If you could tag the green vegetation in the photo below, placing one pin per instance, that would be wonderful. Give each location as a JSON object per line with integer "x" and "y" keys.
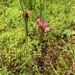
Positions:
{"x": 37, "y": 37}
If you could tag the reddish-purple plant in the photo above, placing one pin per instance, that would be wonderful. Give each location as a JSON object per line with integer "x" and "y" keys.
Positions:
{"x": 42, "y": 25}
{"x": 26, "y": 16}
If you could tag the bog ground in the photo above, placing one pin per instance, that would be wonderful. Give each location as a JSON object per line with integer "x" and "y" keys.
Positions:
{"x": 37, "y": 37}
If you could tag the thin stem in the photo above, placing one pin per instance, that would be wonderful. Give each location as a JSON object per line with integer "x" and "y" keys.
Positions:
{"x": 54, "y": 69}
{"x": 34, "y": 4}
{"x": 25, "y": 19}
{"x": 43, "y": 17}
{"x": 40, "y": 9}
{"x": 30, "y": 3}
{"x": 21, "y": 5}
{"x": 26, "y": 27}
{"x": 71, "y": 50}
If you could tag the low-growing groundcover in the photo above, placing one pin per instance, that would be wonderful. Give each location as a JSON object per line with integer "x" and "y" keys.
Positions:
{"x": 37, "y": 37}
